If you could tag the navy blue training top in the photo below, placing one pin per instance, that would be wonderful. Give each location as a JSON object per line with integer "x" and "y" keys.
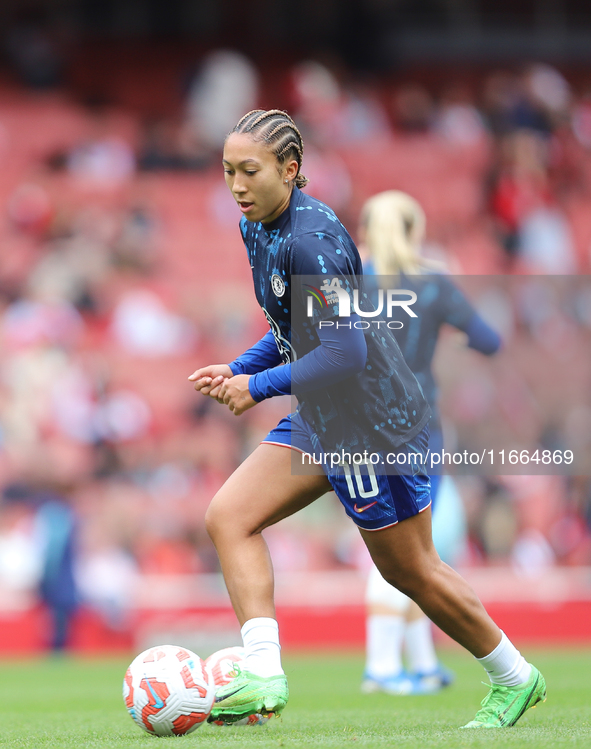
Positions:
{"x": 378, "y": 403}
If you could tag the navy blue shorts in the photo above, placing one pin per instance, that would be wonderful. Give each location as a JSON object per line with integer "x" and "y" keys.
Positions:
{"x": 372, "y": 500}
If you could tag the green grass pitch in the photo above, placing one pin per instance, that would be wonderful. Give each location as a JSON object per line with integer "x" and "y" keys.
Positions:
{"x": 77, "y": 703}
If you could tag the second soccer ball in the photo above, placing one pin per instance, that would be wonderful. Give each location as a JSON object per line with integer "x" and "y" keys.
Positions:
{"x": 221, "y": 668}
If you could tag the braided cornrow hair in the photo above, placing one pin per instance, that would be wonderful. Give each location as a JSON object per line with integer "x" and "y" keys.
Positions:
{"x": 276, "y": 128}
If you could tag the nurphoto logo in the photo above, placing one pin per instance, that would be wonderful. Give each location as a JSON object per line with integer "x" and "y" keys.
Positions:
{"x": 331, "y": 292}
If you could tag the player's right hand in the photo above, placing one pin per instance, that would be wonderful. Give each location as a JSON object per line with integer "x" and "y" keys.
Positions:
{"x": 208, "y": 380}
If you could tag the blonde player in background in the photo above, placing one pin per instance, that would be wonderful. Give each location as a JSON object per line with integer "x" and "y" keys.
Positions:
{"x": 391, "y": 234}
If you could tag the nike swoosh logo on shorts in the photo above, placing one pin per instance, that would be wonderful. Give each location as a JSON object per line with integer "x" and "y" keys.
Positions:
{"x": 363, "y": 509}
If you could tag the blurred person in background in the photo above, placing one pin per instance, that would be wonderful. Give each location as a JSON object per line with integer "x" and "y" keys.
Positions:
{"x": 534, "y": 161}
{"x": 57, "y": 471}
{"x": 547, "y": 92}
{"x": 413, "y": 110}
{"x": 45, "y": 483}
{"x": 537, "y": 100}
{"x": 38, "y": 338}
{"x": 104, "y": 159}
{"x": 391, "y": 234}
{"x": 171, "y": 145}
{"x": 335, "y": 116}
{"x": 226, "y": 84}
{"x": 457, "y": 119}
{"x": 56, "y": 529}
{"x": 332, "y": 115}
{"x": 531, "y": 226}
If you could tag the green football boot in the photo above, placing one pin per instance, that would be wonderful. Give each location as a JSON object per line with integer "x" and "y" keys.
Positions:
{"x": 248, "y": 694}
{"x": 503, "y": 706}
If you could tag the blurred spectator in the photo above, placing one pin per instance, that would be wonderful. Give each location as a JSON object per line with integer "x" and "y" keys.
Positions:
{"x": 135, "y": 247}
{"x": 413, "y": 110}
{"x": 545, "y": 242}
{"x": 330, "y": 115}
{"x": 532, "y": 227}
{"x": 457, "y": 119}
{"x": 548, "y": 94}
{"x": 93, "y": 412}
{"x": 40, "y": 511}
{"x": 121, "y": 415}
{"x": 499, "y": 99}
{"x": 536, "y": 100}
{"x": 519, "y": 186}
{"x": 143, "y": 326}
{"x": 104, "y": 159}
{"x": 70, "y": 271}
{"x": 37, "y": 337}
{"x": 168, "y": 144}
{"x": 56, "y": 538}
{"x": 29, "y": 323}
{"x": 225, "y": 87}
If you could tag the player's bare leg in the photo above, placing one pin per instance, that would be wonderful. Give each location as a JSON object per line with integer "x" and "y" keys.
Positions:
{"x": 259, "y": 493}
{"x": 406, "y": 557}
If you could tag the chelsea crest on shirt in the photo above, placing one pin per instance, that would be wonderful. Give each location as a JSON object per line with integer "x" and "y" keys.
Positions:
{"x": 277, "y": 284}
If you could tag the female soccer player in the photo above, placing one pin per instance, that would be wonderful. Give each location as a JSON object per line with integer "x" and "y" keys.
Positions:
{"x": 391, "y": 233}
{"x": 354, "y": 390}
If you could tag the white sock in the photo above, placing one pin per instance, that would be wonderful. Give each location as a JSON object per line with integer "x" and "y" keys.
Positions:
{"x": 261, "y": 643}
{"x": 384, "y": 635}
{"x": 505, "y": 665}
{"x": 422, "y": 658}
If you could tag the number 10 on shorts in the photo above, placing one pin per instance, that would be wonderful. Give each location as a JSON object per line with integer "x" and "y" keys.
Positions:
{"x": 357, "y": 488}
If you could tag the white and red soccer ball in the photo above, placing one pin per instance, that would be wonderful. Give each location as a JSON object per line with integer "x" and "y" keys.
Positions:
{"x": 168, "y": 691}
{"x": 221, "y": 668}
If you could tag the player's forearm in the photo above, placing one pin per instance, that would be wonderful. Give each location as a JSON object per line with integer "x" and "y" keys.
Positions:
{"x": 341, "y": 354}
{"x": 263, "y": 355}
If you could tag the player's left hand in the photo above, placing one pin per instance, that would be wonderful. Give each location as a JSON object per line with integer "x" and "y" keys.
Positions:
{"x": 235, "y": 394}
